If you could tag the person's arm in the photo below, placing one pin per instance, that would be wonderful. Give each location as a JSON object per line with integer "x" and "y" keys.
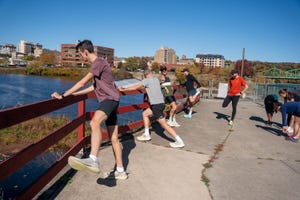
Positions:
{"x": 195, "y": 80}
{"x": 138, "y": 86}
{"x": 245, "y": 89}
{"x": 283, "y": 115}
{"x": 166, "y": 84}
{"x": 85, "y": 91}
{"x": 76, "y": 87}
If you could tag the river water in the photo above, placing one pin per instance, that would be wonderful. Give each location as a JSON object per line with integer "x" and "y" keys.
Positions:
{"x": 17, "y": 90}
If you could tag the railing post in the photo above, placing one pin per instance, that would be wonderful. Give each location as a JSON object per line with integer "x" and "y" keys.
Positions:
{"x": 81, "y": 128}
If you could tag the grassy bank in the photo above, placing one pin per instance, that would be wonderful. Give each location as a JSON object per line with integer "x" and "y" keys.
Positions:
{"x": 17, "y": 137}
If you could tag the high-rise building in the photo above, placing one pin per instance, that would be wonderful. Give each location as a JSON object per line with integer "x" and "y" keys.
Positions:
{"x": 165, "y": 55}
{"x": 211, "y": 60}
{"x": 29, "y": 48}
{"x": 69, "y": 56}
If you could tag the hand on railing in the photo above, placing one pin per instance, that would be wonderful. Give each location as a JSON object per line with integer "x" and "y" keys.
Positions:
{"x": 55, "y": 95}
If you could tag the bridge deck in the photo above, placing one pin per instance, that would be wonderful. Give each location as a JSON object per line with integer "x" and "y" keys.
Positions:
{"x": 251, "y": 162}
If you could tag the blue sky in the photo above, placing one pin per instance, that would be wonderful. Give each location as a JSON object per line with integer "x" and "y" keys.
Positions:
{"x": 269, "y": 30}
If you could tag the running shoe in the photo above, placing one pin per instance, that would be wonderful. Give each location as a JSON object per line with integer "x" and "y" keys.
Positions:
{"x": 88, "y": 163}
{"x": 170, "y": 123}
{"x": 292, "y": 139}
{"x": 176, "y": 124}
{"x": 118, "y": 175}
{"x": 230, "y": 122}
{"x": 188, "y": 116}
{"x": 177, "y": 144}
{"x": 143, "y": 137}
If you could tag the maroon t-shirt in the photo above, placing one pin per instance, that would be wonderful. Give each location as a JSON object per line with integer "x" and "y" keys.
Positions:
{"x": 104, "y": 82}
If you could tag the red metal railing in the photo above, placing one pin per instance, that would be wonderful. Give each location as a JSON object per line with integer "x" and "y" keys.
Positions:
{"x": 20, "y": 114}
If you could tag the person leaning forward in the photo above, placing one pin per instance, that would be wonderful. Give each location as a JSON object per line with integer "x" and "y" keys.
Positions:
{"x": 157, "y": 105}
{"x": 108, "y": 97}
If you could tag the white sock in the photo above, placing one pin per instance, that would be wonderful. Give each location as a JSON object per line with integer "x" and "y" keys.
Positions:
{"x": 147, "y": 131}
{"x": 120, "y": 169}
{"x": 178, "y": 138}
{"x": 190, "y": 113}
{"x": 94, "y": 158}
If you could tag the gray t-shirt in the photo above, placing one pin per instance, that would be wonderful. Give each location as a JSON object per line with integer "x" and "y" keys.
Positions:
{"x": 153, "y": 90}
{"x": 104, "y": 82}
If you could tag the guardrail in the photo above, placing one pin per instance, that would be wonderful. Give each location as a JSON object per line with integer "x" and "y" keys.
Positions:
{"x": 20, "y": 114}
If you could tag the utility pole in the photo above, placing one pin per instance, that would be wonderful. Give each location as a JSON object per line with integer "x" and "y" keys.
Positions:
{"x": 242, "y": 70}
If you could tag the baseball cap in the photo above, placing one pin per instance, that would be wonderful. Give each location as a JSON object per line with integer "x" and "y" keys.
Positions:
{"x": 234, "y": 71}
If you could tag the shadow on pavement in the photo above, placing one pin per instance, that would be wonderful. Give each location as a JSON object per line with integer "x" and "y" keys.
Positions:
{"x": 221, "y": 116}
{"x": 160, "y": 131}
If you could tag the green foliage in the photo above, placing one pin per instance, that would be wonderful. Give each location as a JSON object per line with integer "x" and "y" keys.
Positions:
{"x": 28, "y": 57}
{"x": 121, "y": 74}
{"x": 155, "y": 67}
{"x": 4, "y": 62}
{"x": 134, "y": 63}
{"x": 15, "y": 138}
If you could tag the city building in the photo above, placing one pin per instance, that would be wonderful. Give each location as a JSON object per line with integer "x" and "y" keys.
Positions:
{"x": 165, "y": 55}
{"x": 30, "y": 48}
{"x": 7, "y": 49}
{"x": 69, "y": 56}
{"x": 185, "y": 61}
{"x": 211, "y": 60}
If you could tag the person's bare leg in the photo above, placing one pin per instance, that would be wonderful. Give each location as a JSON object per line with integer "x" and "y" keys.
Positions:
{"x": 96, "y": 135}
{"x": 297, "y": 127}
{"x": 146, "y": 119}
{"x": 116, "y": 145}
{"x": 168, "y": 128}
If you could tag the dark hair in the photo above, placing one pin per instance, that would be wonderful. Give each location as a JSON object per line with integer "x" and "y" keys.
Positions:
{"x": 85, "y": 45}
{"x": 163, "y": 68}
{"x": 289, "y": 95}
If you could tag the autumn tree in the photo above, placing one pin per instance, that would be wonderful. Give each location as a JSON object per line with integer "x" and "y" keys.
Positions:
{"x": 48, "y": 59}
{"x": 248, "y": 67}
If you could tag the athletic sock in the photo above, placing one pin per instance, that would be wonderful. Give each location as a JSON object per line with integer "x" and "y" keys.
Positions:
{"x": 147, "y": 131}
{"x": 178, "y": 138}
{"x": 94, "y": 158}
{"x": 120, "y": 169}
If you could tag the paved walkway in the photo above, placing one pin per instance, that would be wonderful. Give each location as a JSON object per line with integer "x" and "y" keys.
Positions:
{"x": 251, "y": 162}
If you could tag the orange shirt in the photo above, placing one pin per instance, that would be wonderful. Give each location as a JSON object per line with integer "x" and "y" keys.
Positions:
{"x": 235, "y": 86}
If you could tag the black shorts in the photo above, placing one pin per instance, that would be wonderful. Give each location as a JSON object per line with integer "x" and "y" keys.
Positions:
{"x": 296, "y": 114}
{"x": 170, "y": 99}
{"x": 110, "y": 107}
{"x": 158, "y": 110}
{"x": 269, "y": 108}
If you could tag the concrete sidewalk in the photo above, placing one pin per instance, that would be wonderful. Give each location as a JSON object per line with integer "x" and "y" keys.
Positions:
{"x": 252, "y": 162}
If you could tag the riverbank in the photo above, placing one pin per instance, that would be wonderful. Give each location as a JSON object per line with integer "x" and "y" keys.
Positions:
{"x": 16, "y": 138}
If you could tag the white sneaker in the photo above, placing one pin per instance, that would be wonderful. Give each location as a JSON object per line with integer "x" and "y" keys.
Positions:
{"x": 143, "y": 137}
{"x": 177, "y": 144}
{"x": 170, "y": 123}
{"x": 118, "y": 175}
{"x": 88, "y": 163}
{"x": 176, "y": 124}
